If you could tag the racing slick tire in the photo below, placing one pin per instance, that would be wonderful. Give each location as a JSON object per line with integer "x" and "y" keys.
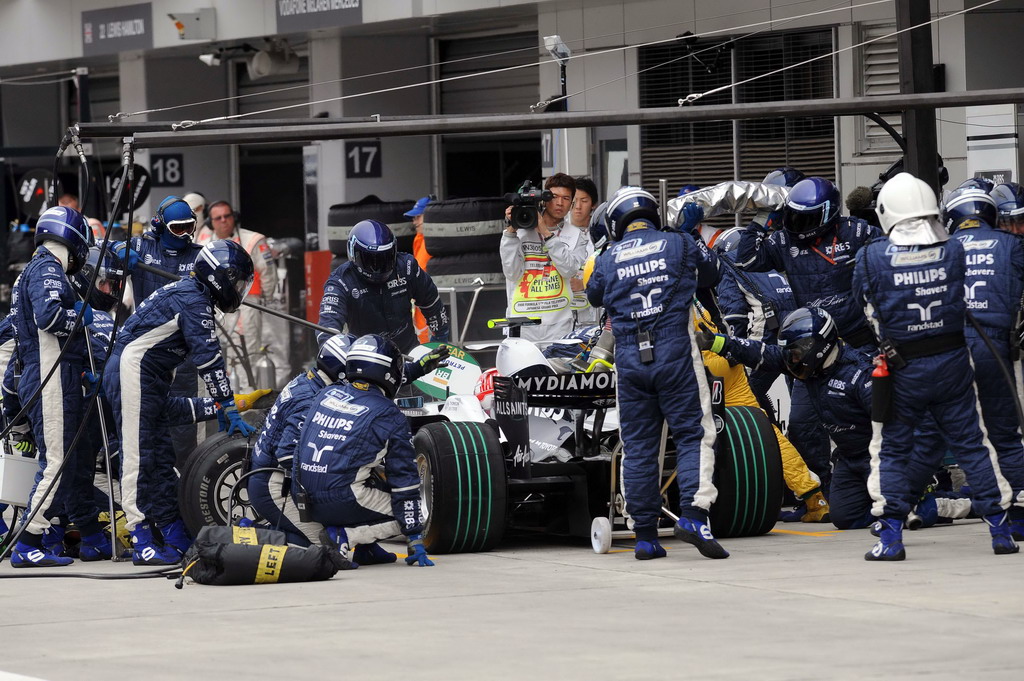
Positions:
{"x": 748, "y": 475}
{"x": 458, "y": 226}
{"x": 463, "y": 486}
{"x": 342, "y": 217}
{"x": 206, "y": 481}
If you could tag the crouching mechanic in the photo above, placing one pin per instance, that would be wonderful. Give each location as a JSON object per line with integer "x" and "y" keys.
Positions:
{"x": 350, "y": 429}
{"x": 275, "y": 447}
{"x": 912, "y": 288}
{"x": 375, "y": 290}
{"x": 646, "y": 282}
{"x": 170, "y": 324}
{"x": 797, "y": 476}
{"x": 45, "y": 321}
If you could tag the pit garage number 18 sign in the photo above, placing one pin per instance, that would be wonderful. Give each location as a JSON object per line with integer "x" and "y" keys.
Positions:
{"x": 167, "y": 170}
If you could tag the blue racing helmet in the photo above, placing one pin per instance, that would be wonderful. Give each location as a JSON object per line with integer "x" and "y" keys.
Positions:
{"x": 376, "y": 360}
{"x": 598, "y": 231}
{"x": 226, "y": 270}
{"x": 982, "y": 183}
{"x": 373, "y": 250}
{"x": 628, "y": 205}
{"x": 1009, "y": 198}
{"x": 68, "y": 227}
{"x": 810, "y": 342}
{"x": 783, "y": 177}
{"x": 811, "y": 208}
{"x": 333, "y": 355}
{"x": 686, "y": 189}
{"x": 176, "y": 216}
{"x": 968, "y": 203}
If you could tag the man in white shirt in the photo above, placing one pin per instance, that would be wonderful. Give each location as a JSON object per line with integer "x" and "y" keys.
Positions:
{"x": 538, "y": 264}
{"x": 247, "y": 322}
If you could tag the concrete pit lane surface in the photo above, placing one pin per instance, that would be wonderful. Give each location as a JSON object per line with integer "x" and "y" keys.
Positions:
{"x": 798, "y": 603}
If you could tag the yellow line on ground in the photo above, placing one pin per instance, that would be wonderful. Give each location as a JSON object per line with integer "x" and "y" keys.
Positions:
{"x": 824, "y": 533}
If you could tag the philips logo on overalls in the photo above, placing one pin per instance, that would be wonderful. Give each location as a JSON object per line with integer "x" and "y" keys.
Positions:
{"x": 640, "y": 269}
{"x": 919, "y": 277}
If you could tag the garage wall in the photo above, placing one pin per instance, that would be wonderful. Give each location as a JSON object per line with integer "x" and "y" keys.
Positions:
{"x": 205, "y": 168}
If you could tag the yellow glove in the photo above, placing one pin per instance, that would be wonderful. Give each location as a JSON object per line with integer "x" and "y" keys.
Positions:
{"x": 248, "y": 400}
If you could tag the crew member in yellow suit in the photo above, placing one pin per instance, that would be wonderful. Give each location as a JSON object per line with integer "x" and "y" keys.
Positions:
{"x": 799, "y": 478}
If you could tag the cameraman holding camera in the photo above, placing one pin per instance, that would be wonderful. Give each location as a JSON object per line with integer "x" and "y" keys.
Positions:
{"x": 540, "y": 253}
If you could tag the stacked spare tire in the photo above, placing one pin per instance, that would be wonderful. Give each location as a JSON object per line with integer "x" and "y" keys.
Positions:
{"x": 462, "y": 237}
{"x": 343, "y": 217}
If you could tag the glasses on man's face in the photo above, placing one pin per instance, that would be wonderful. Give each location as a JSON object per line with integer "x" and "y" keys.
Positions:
{"x": 219, "y": 218}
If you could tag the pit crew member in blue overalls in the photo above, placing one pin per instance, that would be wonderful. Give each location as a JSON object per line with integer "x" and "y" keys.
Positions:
{"x": 375, "y": 290}
{"x": 815, "y": 249}
{"x": 167, "y": 326}
{"x": 993, "y": 286}
{"x": 753, "y": 304}
{"x": 350, "y": 430}
{"x": 81, "y": 499}
{"x": 912, "y": 287}
{"x": 168, "y": 246}
{"x": 838, "y": 384}
{"x": 275, "y": 446}
{"x": 7, "y": 343}
{"x": 46, "y": 314}
{"x": 646, "y": 282}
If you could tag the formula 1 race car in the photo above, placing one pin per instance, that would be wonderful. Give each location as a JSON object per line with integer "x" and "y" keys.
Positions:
{"x": 539, "y": 454}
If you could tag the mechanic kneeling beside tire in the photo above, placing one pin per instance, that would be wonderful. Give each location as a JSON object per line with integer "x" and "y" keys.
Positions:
{"x": 348, "y": 431}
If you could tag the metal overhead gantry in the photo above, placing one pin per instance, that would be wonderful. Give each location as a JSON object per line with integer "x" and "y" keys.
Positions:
{"x": 154, "y": 135}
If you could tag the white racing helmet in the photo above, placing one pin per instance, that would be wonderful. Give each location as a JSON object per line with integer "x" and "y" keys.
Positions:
{"x": 909, "y": 212}
{"x": 520, "y": 357}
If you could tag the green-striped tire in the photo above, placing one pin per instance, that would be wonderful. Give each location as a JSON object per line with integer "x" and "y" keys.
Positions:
{"x": 464, "y": 489}
{"x": 748, "y": 475}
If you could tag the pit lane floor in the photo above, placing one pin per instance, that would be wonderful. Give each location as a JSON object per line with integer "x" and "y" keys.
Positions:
{"x": 799, "y": 603}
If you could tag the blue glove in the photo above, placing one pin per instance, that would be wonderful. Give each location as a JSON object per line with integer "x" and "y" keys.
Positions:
{"x": 128, "y": 257}
{"x": 417, "y": 552}
{"x": 84, "y": 310}
{"x": 693, "y": 214}
{"x": 92, "y": 382}
{"x": 231, "y": 420}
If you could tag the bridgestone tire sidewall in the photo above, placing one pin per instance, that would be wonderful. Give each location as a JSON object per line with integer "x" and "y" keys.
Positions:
{"x": 468, "y": 490}
{"x": 197, "y": 491}
{"x": 748, "y": 475}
